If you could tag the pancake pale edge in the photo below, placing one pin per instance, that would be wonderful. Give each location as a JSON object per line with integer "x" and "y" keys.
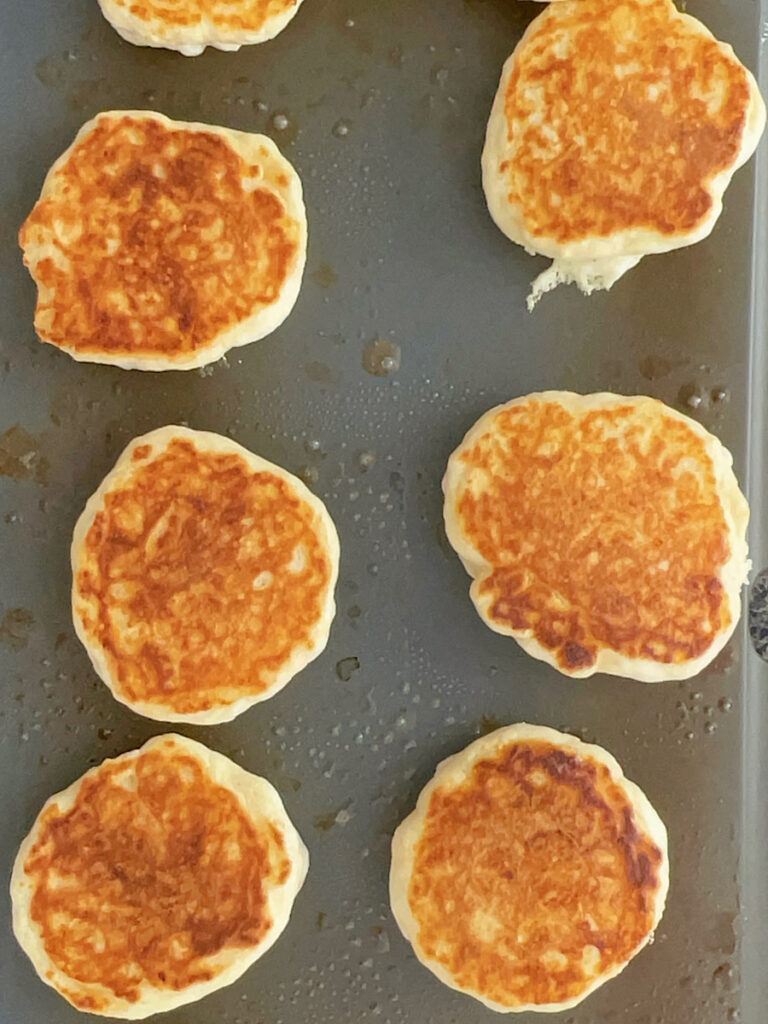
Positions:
{"x": 589, "y": 257}
{"x": 259, "y": 682}
{"x": 200, "y": 23}
{"x": 456, "y": 772}
{"x": 159, "y": 244}
{"x": 725, "y": 506}
{"x": 287, "y": 858}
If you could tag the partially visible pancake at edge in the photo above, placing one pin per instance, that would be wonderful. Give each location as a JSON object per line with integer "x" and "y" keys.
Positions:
{"x": 531, "y": 870}
{"x": 614, "y": 133}
{"x": 194, "y": 24}
{"x": 159, "y": 244}
{"x": 603, "y": 533}
{"x": 155, "y": 879}
{"x": 202, "y": 577}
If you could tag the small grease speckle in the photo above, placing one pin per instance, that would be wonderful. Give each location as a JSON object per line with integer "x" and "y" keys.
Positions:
{"x": 15, "y": 628}
{"x": 285, "y": 127}
{"x": 20, "y": 457}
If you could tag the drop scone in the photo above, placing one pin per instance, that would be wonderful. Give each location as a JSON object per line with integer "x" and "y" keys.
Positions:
{"x": 605, "y": 534}
{"x": 190, "y": 25}
{"x": 615, "y": 131}
{"x": 155, "y": 879}
{"x": 159, "y": 245}
{"x": 530, "y": 872}
{"x": 202, "y": 577}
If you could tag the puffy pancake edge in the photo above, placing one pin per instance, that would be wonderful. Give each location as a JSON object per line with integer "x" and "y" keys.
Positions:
{"x": 188, "y": 40}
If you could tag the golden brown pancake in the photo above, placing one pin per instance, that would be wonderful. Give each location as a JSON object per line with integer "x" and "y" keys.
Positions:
{"x": 156, "y": 878}
{"x": 203, "y": 577}
{"x": 158, "y": 244}
{"x": 531, "y": 870}
{"x": 606, "y": 534}
{"x": 615, "y": 131}
{"x": 191, "y": 25}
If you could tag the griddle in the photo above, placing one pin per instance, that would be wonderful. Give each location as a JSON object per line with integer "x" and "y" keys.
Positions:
{"x": 382, "y": 109}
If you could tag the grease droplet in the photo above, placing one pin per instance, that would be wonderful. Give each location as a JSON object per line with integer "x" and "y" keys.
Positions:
{"x": 381, "y": 357}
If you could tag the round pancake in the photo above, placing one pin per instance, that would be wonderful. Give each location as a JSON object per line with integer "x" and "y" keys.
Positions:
{"x": 530, "y": 872}
{"x": 155, "y": 879}
{"x": 190, "y": 25}
{"x": 202, "y": 577}
{"x": 159, "y": 245}
{"x": 605, "y": 534}
{"x": 615, "y": 131}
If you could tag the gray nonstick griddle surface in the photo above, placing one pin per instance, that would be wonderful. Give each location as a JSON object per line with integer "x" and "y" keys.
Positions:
{"x": 383, "y": 112}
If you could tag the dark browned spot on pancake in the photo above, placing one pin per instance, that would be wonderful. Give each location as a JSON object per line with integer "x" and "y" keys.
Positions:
{"x": 158, "y": 247}
{"x": 576, "y": 656}
{"x": 142, "y": 885}
{"x": 201, "y": 578}
{"x": 226, "y": 15}
{"x": 645, "y": 112}
{"x": 604, "y": 530}
{"x": 531, "y": 877}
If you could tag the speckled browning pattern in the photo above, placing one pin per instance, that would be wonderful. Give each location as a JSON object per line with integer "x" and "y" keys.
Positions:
{"x": 154, "y": 870}
{"x": 200, "y": 578}
{"x": 245, "y": 15}
{"x": 151, "y": 241}
{"x": 531, "y": 879}
{"x": 600, "y": 529}
{"x": 620, "y": 113}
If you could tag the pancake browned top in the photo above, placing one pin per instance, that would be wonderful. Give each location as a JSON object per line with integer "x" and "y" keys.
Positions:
{"x": 620, "y": 114}
{"x": 231, "y": 15}
{"x": 154, "y": 870}
{"x": 152, "y": 239}
{"x": 531, "y": 878}
{"x": 598, "y": 524}
{"x": 201, "y": 579}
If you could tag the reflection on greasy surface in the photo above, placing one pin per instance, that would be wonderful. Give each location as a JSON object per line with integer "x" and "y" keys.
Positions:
{"x": 152, "y": 242}
{"x": 601, "y": 530}
{"x": 201, "y": 578}
{"x": 153, "y": 870}
{"x": 531, "y": 878}
{"x": 633, "y": 80}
